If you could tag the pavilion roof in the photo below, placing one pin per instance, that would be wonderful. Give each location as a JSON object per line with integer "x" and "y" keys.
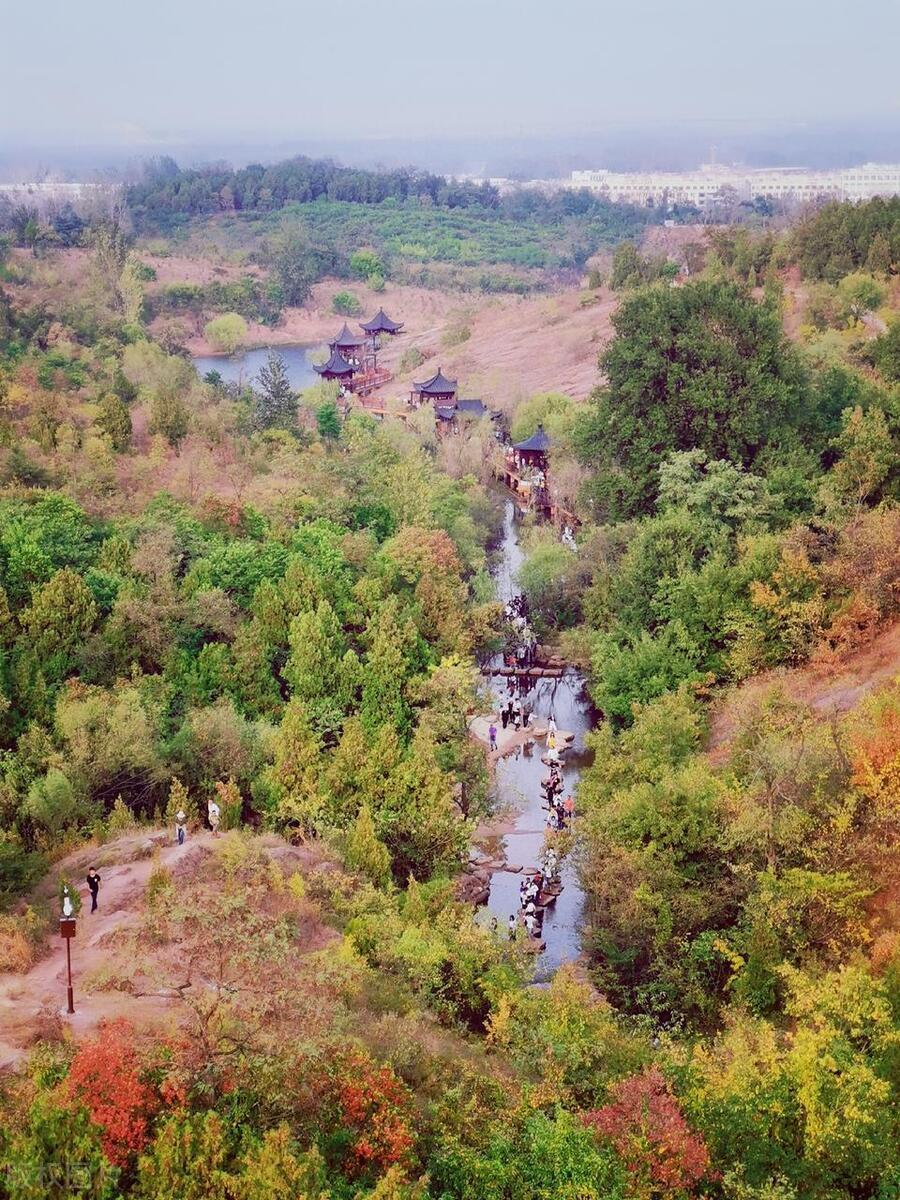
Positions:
{"x": 336, "y": 365}
{"x": 381, "y": 323}
{"x": 437, "y": 385}
{"x": 539, "y": 442}
{"x": 474, "y": 408}
{"x": 445, "y": 412}
{"x": 348, "y": 339}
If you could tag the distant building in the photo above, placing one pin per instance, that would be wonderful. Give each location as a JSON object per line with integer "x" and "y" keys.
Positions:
{"x": 712, "y": 182}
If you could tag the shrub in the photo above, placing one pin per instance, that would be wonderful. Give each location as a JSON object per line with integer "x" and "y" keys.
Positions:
{"x": 226, "y": 333}
{"x": 645, "y": 1124}
{"x": 346, "y": 304}
{"x": 411, "y": 358}
{"x": 105, "y": 1077}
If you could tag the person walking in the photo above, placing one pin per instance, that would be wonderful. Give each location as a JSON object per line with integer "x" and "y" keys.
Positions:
{"x": 93, "y": 882}
{"x": 492, "y": 735}
{"x": 180, "y": 826}
{"x": 214, "y": 813}
{"x": 551, "y": 725}
{"x": 504, "y": 716}
{"x": 512, "y": 925}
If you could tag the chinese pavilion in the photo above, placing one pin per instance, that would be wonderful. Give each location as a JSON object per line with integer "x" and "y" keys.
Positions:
{"x": 381, "y": 323}
{"x": 350, "y": 347}
{"x": 533, "y": 451}
{"x": 337, "y": 367}
{"x": 440, "y": 390}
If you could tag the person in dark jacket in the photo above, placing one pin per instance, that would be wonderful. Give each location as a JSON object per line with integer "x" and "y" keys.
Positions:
{"x": 93, "y": 882}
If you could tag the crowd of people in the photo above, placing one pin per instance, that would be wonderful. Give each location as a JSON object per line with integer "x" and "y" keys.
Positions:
{"x": 521, "y": 644}
{"x": 540, "y": 887}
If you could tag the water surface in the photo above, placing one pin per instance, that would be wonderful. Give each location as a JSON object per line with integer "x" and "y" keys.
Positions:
{"x": 517, "y": 785}
{"x": 243, "y": 368}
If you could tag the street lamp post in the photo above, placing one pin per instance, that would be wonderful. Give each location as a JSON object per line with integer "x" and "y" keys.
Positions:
{"x": 67, "y": 931}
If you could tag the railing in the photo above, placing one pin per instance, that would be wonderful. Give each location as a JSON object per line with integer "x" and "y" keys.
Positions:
{"x": 369, "y": 381}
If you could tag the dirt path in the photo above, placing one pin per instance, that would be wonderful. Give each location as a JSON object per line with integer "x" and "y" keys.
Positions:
{"x": 827, "y": 688}
{"x": 34, "y": 1000}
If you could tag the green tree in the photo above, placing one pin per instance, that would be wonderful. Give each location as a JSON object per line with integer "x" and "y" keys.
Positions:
{"x": 328, "y": 421}
{"x": 886, "y": 352}
{"x": 858, "y": 294}
{"x": 868, "y": 457}
{"x": 364, "y": 263}
{"x": 274, "y": 400}
{"x": 294, "y": 266}
{"x": 364, "y": 853}
{"x": 292, "y": 781}
{"x": 61, "y": 615}
{"x": 187, "y": 1160}
{"x": 114, "y": 419}
{"x": 879, "y": 260}
{"x": 226, "y": 333}
{"x": 131, "y": 291}
{"x": 169, "y": 416}
{"x": 697, "y": 367}
{"x": 57, "y": 1156}
{"x": 627, "y": 267}
{"x": 346, "y": 304}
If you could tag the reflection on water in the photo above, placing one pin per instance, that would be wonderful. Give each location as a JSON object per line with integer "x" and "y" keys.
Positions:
{"x": 518, "y": 778}
{"x": 242, "y": 369}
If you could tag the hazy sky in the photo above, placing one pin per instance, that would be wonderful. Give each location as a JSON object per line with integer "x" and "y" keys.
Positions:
{"x": 119, "y": 71}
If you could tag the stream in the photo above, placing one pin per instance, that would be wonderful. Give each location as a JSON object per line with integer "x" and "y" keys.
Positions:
{"x": 517, "y": 784}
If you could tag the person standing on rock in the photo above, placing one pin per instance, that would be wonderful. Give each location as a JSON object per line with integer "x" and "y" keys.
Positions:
{"x": 513, "y": 925}
{"x": 214, "y": 814}
{"x": 180, "y": 826}
{"x": 504, "y": 716}
{"x": 93, "y": 882}
{"x": 551, "y": 725}
{"x": 492, "y": 735}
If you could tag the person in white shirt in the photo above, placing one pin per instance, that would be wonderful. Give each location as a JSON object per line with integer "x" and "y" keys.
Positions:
{"x": 214, "y": 814}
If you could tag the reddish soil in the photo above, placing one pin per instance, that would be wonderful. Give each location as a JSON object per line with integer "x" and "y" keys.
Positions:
{"x": 828, "y": 688}
{"x": 516, "y": 346}
{"x": 32, "y": 1004}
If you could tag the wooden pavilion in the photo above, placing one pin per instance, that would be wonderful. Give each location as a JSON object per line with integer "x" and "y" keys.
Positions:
{"x": 337, "y": 368}
{"x": 352, "y": 348}
{"x": 440, "y": 390}
{"x": 532, "y": 453}
{"x": 381, "y": 323}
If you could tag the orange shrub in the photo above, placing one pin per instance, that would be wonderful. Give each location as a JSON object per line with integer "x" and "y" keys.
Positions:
{"x": 105, "y": 1076}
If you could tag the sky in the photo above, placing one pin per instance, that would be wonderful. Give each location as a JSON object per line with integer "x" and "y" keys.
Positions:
{"x": 160, "y": 72}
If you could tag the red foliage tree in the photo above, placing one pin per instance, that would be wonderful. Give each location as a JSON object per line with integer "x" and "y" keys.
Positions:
{"x": 376, "y": 1108}
{"x": 648, "y": 1129}
{"x": 105, "y": 1076}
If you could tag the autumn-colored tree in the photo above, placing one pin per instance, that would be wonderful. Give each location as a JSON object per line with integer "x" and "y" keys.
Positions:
{"x": 647, "y": 1127}
{"x": 375, "y": 1108}
{"x": 106, "y": 1077}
